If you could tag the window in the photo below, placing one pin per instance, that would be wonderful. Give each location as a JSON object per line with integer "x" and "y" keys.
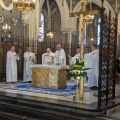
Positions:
{"x": 41, "y": 30}
{"x": 98, "y": 31}
{"x": 85, "y": 37}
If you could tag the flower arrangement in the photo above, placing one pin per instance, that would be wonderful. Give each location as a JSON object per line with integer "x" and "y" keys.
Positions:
{"x": 77, "y": 70}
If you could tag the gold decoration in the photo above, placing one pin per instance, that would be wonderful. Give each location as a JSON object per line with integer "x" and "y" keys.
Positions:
{"x": 6, "y": 28}
{"x": 50, "y": 34}
{"x": 82, "y": 15}
{"x": 91, "y": 36}
{"x": 24, "y": 5}
{"x": 15, "y": 20}
{"x": 1, "y": 18}
{"x": 49, "y": 78}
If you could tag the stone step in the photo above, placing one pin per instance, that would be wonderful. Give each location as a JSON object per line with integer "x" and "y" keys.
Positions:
{"x": 54, "y": 105}
{"x": 40, "y": 113}
{"x": 5, "y": 115}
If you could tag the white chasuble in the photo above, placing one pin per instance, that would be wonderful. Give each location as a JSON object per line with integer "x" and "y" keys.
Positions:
{"x": 60, "y": 57}
{"x": 92, "y": 61}
{"x": 29, "y": 59}
{"x": 95, "y": 51}
{"x": 11, "y": 67}
{"x": 47, "y": 58}
{"x": 73, "y": 59}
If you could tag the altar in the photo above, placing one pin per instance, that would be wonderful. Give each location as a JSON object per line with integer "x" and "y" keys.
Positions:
{"x": 49, "y": 76}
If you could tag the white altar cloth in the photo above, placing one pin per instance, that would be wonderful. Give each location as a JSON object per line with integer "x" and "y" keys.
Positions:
{"x": 49, "y": 66}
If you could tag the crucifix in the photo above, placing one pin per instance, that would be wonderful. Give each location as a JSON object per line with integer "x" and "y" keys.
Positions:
{"x": 85, "y": 17}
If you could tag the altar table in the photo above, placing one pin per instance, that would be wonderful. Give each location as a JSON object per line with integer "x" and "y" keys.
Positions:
{"x": 49, "y": 76}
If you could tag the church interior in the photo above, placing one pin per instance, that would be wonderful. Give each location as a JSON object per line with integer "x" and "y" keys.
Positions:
{"x": 59, "y": 59}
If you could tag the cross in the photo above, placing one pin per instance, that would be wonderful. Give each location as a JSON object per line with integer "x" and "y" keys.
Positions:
{"x": 84, "y": 17}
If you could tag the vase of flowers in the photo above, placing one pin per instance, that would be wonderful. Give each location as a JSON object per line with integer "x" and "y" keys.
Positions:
{"x": 78, "y": 69}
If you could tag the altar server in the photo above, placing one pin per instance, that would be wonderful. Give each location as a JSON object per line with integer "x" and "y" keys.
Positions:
{"x": 29, "y": 59}
{"x": 77, "y": 56}
{"x": 48, "y": 56}
{"x": 11, "y": 65}
{"x": 60, "y": 56}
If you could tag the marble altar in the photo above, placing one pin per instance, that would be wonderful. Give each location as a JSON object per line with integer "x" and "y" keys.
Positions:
{"x": 49, "y": 76}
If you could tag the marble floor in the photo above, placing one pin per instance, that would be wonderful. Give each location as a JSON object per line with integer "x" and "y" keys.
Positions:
{"x": 90, "y": 97}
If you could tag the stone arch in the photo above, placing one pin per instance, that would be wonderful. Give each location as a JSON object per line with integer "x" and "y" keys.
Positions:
{"x": 64, "y": 12}
{"x": 77, "y": 8}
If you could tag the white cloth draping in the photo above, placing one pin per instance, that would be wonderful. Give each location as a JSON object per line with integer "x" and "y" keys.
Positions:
{"x": 49, "y": 66}
{"x": 46, "y": 59}
{"x": 60, "y": 57}
{"x": 92, "y": 61}
{"x": 11, "y": 67}
{"x": 27, "y": 62}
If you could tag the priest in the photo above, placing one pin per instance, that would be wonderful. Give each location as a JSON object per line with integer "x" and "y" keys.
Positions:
{"x": 29, "y": 59}
{"x": 77, "y": 56}
{"x": 48, "y": 57}
{"x": 92, "y": 60}
{"x": 60, "y": 56}
{"x": 11, "y": 65}
{"x": 73, "y": 60}
{"x": 94, "y": 49}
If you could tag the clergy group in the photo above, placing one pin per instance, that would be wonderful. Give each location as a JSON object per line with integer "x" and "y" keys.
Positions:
{"x": 50, "y": 58}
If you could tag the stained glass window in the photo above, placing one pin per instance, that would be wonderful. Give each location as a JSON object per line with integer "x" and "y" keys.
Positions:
{"x": 98, "y": 31}
{"x": 41, "y": 34}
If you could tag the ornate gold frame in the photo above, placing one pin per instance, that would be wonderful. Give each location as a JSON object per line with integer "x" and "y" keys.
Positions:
{"x": 14, "y": 23}
{"x": 2, "y": 18}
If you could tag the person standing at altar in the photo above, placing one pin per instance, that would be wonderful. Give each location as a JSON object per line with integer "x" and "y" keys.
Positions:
{"x": 77, "y": 56}
{"x": 73, "y": 60}
{"x": 48, "y": 56}
{"x": 29, "y": 59}
{"x": 60, "y": 56}
{"x": 92, "y": 60}
{"x": 11, "y": 65}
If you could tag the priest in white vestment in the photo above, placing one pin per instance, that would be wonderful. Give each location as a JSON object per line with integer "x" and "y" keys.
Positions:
{"x": 48, "y": 57}
{"x": 73, "y": 60}
{"x": 60, "y": 56}
{"x": 92, "y": 61}
{"x": 11, "y": 65}
{"x": 29, "y": 59}
{"x": 77, "y": 56}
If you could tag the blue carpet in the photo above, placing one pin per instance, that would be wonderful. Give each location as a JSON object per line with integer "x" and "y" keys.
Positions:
{"x": 70, "y": 90}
